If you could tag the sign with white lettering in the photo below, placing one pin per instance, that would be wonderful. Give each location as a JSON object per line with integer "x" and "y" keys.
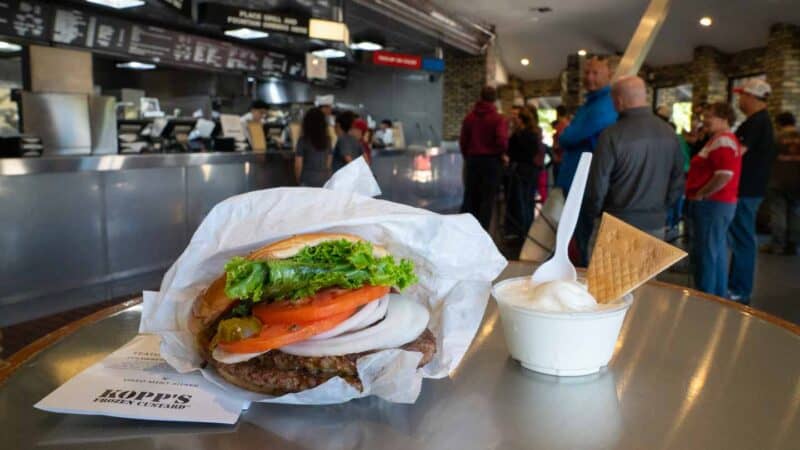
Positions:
{"x": 405, "y": 61}
{"x": 230, "y": 17}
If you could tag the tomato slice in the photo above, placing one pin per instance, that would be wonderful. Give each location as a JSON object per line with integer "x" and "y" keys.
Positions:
{"x": 323, "y": 304}
{"x": 274, "y": 336}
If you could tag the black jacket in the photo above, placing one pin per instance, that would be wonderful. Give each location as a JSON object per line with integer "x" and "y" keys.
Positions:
{"x": 757, "y": 135}
{"x": 523, "y": 148}
{"x": 637, "y": 170}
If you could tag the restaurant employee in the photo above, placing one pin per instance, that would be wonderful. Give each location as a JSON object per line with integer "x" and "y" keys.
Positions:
{"x": 384, "y": 136}
{"x": 258, "y": 114}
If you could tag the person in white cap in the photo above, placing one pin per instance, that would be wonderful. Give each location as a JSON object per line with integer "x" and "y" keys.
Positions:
{"x": 757, "y": 136}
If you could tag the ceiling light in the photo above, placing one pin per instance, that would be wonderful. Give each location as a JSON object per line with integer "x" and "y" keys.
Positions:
{"x": 442, "y": 18}
{"x": 328, "y": 53}
{"x": 251, "y": 80}
{"x": 366, "y": 46}
{"x": 118, "y": 4}
{"x": 582, "y": 52}
{"x": 524, "y": 61}
{"x": 246, "y": 33}
{"x": 9, "y": 47}
{"x": 706, "y": 21}
{"x": 136, "y": 65}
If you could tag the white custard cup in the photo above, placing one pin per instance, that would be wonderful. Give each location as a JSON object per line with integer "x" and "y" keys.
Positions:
{"x": 560, "y": 343}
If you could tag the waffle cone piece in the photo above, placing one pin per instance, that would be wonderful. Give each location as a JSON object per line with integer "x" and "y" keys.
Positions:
{"x": 625, "y": 258}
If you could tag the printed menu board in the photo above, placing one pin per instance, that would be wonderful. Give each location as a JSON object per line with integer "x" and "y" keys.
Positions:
{"x": 152, "y": 43}
{"x": 25, "y": 19}
{"x": 39, "y": 21}
{"x": 78, "y": 28}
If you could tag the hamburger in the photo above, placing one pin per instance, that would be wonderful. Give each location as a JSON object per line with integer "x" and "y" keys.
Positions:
{"x": 295, "y": 313}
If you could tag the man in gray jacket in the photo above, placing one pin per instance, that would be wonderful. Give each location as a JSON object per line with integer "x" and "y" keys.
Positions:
{"x": 637, "y": 170}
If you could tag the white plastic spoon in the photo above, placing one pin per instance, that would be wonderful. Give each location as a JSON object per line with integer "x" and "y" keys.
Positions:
{"x": 559, "y": 266}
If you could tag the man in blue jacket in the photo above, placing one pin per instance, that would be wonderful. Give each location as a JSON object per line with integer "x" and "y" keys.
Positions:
{"x": 594, "y": 116}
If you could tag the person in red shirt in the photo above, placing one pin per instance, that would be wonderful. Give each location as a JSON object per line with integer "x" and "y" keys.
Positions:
{"x": 483, "y": 142}
{"x": 359, "y": 131}
{"x": 712, "y": 187}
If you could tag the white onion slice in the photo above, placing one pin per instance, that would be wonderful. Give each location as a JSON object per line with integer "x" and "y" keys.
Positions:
{"x": 364, "y": 317}
{"x": 232, "y": 358}
{"x": 405, "y": 320}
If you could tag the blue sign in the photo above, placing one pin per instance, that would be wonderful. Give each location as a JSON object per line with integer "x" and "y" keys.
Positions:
{"x": 433, "y": 64}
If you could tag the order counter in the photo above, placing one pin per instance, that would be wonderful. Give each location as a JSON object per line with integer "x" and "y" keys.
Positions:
{"x": 82, "y": 229}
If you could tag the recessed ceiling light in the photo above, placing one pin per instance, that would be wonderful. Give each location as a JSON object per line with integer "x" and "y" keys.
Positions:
{"x": 706, "y": 21}
{"x": 118, "y": 4}
{"x": 9, "y": 47}
{"x": 136, "y": 65}
{"x": 582, "y": 52}
{"x": 524, "y": 61}
{"x": 246, "y": 33}
{"x": 328, "y": 53}
{"x": 366, "y": 46}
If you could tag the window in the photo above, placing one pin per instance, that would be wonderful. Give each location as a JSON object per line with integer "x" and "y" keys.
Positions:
{"x": 677, "y": 101}
{"x": 546, "y": 108}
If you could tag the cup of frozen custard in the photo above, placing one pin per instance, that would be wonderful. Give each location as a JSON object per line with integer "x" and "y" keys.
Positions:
{"x": 558, "y": 328}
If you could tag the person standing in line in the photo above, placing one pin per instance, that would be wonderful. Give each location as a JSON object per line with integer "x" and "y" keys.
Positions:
{"x": 757, "y": 137}
{"x": 312, "y": 161}
{"x": 347, "y": 147}
{"x": 675, "y": 212}
{"x": 639, "y": 147}
{"x": 594, "y": 116}
{"x": 359, "y": 130}
{"x": 559, "y": 125}
{"x": 712, "y": 186}
{"x": 523, "y": 152}
{"x": 784, "y": 187}
{"x": 483, "y": 141}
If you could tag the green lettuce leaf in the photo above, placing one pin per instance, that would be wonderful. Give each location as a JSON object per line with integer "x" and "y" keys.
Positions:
{"x": 341, "y": 263}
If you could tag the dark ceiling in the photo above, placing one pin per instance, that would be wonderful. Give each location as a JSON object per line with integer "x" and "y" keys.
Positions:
{"x": 362, "y": 22}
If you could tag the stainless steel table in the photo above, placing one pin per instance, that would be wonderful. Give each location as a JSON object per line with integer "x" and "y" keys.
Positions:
{"x": 690, "y": 372}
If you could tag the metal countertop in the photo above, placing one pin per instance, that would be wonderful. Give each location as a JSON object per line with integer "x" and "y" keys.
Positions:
{"x": 688, "y": 372}
{"x": 105, "y": 163}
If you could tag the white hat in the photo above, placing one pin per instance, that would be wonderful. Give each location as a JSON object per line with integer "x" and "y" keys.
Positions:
{"x": 755, "y": 87}
{"x": 324, "y": 100}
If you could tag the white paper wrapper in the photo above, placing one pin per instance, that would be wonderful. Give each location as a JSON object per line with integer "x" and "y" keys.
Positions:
{"x": 455, "y": 261}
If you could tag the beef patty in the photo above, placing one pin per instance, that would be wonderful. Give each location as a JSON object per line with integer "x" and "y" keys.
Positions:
{"x": 278, "y": 373}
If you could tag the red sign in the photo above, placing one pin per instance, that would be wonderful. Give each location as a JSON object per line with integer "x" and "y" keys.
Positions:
{"x": 382, "y": 58}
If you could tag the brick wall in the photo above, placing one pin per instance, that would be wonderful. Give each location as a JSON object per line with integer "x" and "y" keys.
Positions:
{"x": 464, "y": 76}
{"x": 709, "y": 83}
{"x": 708, "y": 73}
{"x": 783, "y": 68}
{"x": 542, "y": 88}
{"x": 746, "y": 62}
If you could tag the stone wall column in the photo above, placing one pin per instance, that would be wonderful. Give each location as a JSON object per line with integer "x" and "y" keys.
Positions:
{"x": 571, "y": 83}
{"x": 709, "y": 83}
{"x": 464, "y": 76}
{"x": 782, "y": 62}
